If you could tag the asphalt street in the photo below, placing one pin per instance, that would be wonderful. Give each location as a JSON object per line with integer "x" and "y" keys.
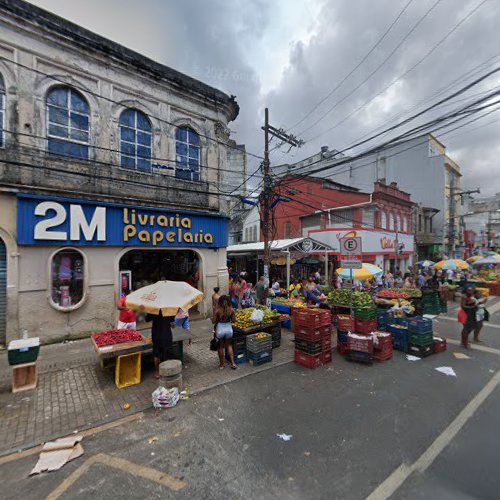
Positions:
{"x": 353, "y": 428}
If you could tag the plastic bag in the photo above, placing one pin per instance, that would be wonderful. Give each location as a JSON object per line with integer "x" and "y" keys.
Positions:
{"x": 462, "y": 316}
{"x": 165, "y": 398}
{"x": 257, "y": 316}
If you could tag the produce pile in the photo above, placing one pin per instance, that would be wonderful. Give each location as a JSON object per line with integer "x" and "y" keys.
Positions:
{"x": 243, "y": 317}
{"x": 116, "y": 336}
{"x": 282, "y": 301}
{"x": 488, "y": 275}
{"x": 342, "y": 297}
{"x": 399, "y": 293}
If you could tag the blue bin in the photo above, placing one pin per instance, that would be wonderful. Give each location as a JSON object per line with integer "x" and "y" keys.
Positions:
{"x": 281, "y": 309}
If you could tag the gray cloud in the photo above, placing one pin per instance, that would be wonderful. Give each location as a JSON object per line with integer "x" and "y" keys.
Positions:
{"x": 229, "y": 44}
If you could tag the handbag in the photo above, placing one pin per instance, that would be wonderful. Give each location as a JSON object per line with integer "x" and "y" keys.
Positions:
{"x": 486, "y": 315}
{"x": 462, "y": 316}
{"x": 214, "y": 344}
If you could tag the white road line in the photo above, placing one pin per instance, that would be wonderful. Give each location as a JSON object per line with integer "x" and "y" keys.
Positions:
{"x": 494, "y": 308}
{"x": 485, "y": 325}
{"x": 401, "y": 474}
{"x": 476, "y": 347}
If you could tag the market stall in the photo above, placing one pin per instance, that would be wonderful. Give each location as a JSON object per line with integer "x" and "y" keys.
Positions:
{"x": 283, "y": 252}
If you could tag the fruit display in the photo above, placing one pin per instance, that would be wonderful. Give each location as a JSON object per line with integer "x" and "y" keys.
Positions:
{"x": 488, "y": 275}
{"x": 399, "y": 293}
{"x": 116, "y": 336}
{"x": 282, "y": 301}
{"x": 242, "y": 317}
{"x": 342, "y": 297}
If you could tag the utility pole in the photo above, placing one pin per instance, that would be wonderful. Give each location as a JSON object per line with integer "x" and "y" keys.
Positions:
{"x": 265, "y": 197}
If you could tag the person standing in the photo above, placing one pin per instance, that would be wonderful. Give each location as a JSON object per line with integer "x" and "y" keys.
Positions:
{"x": 420, "y": 280}
{"x": 261, "y": 291}
{"x": 317, "y": 275}
{"x": 389, "y": 279}
{"x": 126, "y": 318}
{"x": 480, "y": 314}
{"x": 224, "y": 316}
{"x": 161, "y": 335}
{"x": 469, "y": 306}
{"x": 215, "y": 302}
{"x": 449, "y": 276}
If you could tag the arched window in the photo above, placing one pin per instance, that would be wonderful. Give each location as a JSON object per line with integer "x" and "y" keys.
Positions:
{"x": 135, "y": 140}
{"x": 68, "y": 123}
{"x": 67, "y": 278}
{"x": 187, "y": 154}
{"x": 2, "y": 112}
{"x": 383, "y": 220}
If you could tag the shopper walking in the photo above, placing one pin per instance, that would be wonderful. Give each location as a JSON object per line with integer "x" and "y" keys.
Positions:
{"x": 224, "y": 316}
{"x": 481, "y": 314}
{"x": 215, "y": 302}
{"x": 469, "y": 307}
{"x": 261, "y": 291}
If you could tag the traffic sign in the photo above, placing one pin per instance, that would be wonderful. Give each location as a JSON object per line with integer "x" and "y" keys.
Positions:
{"x": 350, "y": 246}
{"x": 351, "y": 264}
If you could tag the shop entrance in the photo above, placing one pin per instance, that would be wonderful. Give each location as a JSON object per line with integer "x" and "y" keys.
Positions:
{"x": 140, "y": 268}
{"x": 3, "y": 292}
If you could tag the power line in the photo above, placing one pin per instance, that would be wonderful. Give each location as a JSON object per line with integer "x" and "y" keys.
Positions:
{"x": 365, "y": 57}
{"x": 415, "y": 26}
{"x": 95, "y": 94}
{"x": 431, "y": 51}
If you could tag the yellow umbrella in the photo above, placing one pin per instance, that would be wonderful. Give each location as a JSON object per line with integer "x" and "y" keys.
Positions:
{"x": 165, "y": 296}
{"x": 472, "y": 259}
{"x": 453, "y": 264}
{"x": 366, "y": 272}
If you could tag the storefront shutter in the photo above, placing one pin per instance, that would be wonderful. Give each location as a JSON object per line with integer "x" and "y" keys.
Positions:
{"x": 3, "y": 292}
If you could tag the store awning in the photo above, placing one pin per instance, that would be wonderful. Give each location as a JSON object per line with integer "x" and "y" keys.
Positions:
{"x": 304, "y": 245}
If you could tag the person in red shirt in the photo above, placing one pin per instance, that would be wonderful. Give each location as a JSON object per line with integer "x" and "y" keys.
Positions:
{"x": 126, "y": 319}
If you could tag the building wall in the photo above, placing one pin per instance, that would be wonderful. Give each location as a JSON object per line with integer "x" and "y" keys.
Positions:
{"x": 251, "y": 226}
{"x": 417, "y": 166}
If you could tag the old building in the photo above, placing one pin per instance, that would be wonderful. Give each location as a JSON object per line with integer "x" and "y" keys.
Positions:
{"x": 110, "y": 167}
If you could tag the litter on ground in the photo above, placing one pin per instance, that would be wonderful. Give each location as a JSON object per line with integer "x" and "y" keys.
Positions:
{"x": 447, "y": 370}
{"x": 285, "y": 437}
{"x": 410, "y": 357}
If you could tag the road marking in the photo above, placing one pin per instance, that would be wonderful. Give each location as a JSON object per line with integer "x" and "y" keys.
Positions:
{"x": 401, "y": 474}
{"x": 124, "y": 465}
{"x": 88, "y": 432}
{"x": 485, "y": 325}
{"x": 476, "y": 347}
{"x": 494, "y": 308}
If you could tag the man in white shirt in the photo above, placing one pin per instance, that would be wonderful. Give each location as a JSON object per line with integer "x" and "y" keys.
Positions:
{"x": 449, "y": 275}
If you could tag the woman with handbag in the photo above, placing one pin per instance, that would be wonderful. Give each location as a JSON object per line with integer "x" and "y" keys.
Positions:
{"x": 224, "y": 316}
{"x": 469, "y": 307}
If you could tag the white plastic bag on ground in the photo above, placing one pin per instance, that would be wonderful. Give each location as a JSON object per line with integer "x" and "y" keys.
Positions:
{"x": 257, "y": 316}
{"x": 165, "y": 398}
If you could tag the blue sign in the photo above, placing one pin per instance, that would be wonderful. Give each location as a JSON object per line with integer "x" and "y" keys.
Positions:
{"x": 60, "y": 221}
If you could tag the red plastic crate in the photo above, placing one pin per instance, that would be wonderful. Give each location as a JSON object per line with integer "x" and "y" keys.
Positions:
{"x": 439, "y": 344}
{"x": 382, "y": 356}
{"x": 382, "y": 343}
{"x": 307, "y": 360}
{"x": 326, "y": 343}
{"x": 326, "y": 357}
{"x": 313, "y": 318}
{"x": 359, "y": 343}
{"x": 342, "y": 348}
{"x": 365, "y": 326}
{"x": 308, "y": 333}
{"x": 345, "y": 322}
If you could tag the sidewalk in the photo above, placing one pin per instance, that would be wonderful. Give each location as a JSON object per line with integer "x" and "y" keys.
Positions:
{"x": 74, "y": 393}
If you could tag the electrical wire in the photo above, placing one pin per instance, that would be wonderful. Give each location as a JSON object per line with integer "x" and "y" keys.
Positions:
{"x": 398, "y": 46}
{"x": 365, "y": 57}
{"x": 399, "y": 78}
{"x": 105, "y": 98}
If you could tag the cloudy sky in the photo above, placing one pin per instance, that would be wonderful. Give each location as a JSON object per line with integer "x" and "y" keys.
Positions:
{"x": 289, "y": 55}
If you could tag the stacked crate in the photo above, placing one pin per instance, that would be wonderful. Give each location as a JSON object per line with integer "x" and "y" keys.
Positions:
{"x": 400, "y": 336}
{"x": 239, "y": 349}
{"x": 382, "y": 318}
{"x": 259, "y": 348}
{"x": 430, "y": 302}
{"x": 382, "y": 346}
{"x": 360, "y": 348}
{"x": 421, "y": 336}
{"x": 313, "y": 337}
{"x": 365, "y": 320}
{"x": 345, "y": 324}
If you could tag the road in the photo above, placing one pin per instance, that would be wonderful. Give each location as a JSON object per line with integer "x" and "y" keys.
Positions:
{"x": 400, "y": 428}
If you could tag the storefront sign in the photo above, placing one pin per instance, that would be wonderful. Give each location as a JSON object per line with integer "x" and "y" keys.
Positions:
{"x": 50, "y": 221}
{"x": 374, "y": 242}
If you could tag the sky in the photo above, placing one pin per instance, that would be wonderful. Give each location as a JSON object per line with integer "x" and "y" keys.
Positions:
{"x": 293, "y": 57}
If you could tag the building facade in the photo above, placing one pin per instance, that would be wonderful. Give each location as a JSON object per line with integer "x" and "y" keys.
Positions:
{"x": 419, "y": 166}
{"x": 481, "y": 218}
{"x": 109, "y": 169}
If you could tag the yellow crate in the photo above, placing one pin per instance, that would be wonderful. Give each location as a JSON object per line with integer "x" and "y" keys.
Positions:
{"x": 128, "y": 370}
